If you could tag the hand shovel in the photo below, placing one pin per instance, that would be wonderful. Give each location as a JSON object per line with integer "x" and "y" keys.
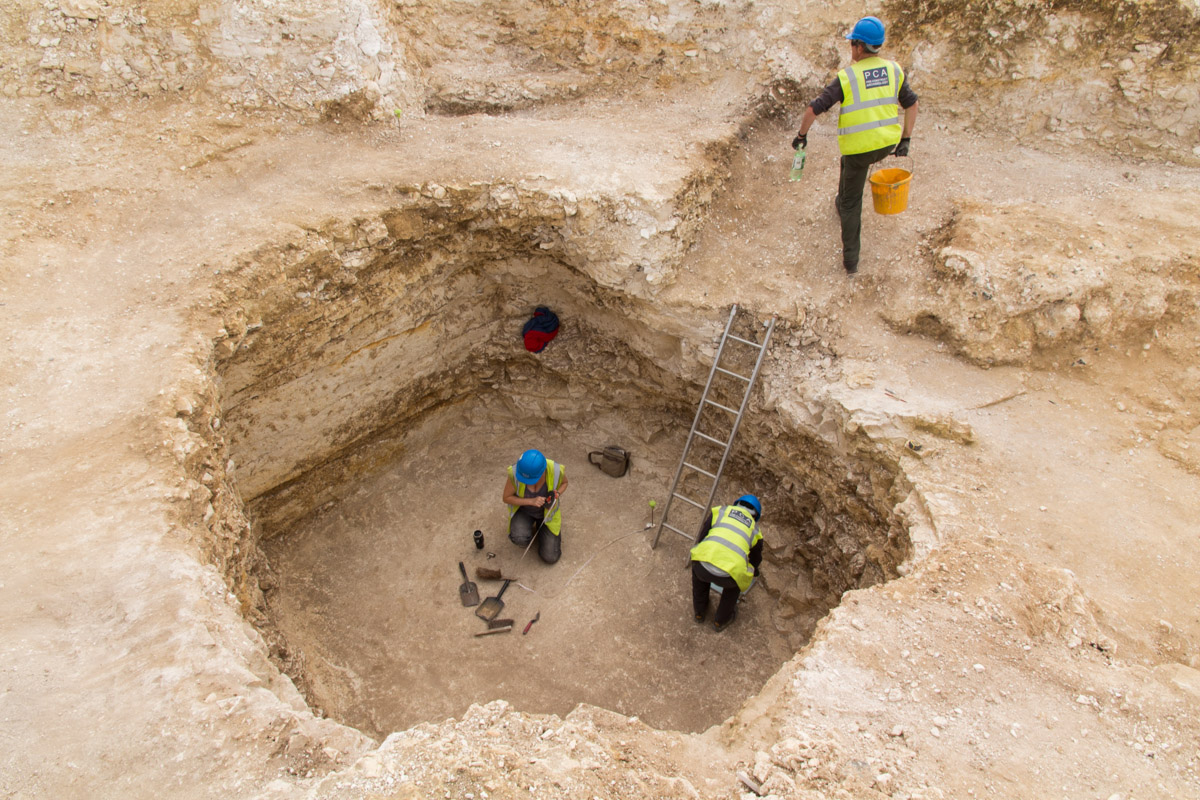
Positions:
{"x": 468, "y": 593}
{"x": 490, "y": 609}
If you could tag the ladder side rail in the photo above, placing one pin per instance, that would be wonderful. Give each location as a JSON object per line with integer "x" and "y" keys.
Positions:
{"x": 695, "y": 423}
{"x": 742, "y": 409}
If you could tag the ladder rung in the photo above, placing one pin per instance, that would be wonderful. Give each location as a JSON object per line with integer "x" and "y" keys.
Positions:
{"x": 671, "y": 527}
{"x": 723, "y": 408}
{"x": 701, "y": 471}
{"x": 711, "y": 439}
{"x": 755, "y": 345}
{"x": 734, "y": 374}
{"x": 687, "y": 500}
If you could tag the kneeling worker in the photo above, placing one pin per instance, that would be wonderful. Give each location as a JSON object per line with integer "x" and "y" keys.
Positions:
{"x": 532, "y": 486}
{"x": 728, "y": 554}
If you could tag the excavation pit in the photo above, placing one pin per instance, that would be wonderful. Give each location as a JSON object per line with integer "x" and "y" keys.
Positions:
{"x": 372, "y": 423}
{"x": 368, "y": 590}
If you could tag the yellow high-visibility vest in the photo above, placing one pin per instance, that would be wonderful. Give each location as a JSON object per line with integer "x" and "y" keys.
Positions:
{"x": 727, "y": 544}
{"x": 870, "y": 114}
{"x": 553, "y": 479}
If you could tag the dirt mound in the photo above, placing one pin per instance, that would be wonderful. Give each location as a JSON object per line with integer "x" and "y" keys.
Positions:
{"x": 1013, "y": 282}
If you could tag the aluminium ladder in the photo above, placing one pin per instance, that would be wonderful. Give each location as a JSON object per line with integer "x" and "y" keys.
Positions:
{"x": 695, "y": 435}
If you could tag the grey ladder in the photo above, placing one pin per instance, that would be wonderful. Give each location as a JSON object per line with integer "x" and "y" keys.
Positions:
{"x": 696, "y": 435}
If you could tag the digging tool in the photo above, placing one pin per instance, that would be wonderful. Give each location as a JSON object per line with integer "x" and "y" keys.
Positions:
{"x": 468, "y": 593}
{"x": 499, "y": 623}
{"x": 490, "y": 631}
{"x": 490, "y": 609}
{"x": 529, "y": 624}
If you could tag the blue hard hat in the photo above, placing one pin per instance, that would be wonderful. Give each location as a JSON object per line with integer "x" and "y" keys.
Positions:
{"x": 750, "y": 502}
{"x": 868, "y": 30}
{"x": 531, "y": 466}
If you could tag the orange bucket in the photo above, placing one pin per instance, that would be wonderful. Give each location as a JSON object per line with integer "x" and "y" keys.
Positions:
{"x": 889, "y": 190}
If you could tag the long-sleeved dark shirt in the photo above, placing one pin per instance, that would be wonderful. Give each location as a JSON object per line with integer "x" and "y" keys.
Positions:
{"x": 832, "y": 94}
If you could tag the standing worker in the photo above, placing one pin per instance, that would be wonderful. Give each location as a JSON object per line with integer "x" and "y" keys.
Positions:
{"x": 871, "y": 91}
{"x": 728, "y": 554}
{"x": 533, "y": 484}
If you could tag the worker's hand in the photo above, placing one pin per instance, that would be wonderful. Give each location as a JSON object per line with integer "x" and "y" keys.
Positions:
{"x": 550, "y": 500}
{"x": 800, "y": 141}
{"x": 902, "y": 148}
{"x": 539, "y": 502}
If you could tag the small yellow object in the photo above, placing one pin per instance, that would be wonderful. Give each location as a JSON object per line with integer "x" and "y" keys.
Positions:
{"x": 653, "y": 504}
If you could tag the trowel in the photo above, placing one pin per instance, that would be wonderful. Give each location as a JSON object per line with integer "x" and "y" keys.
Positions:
{"x": 468, "y": 593}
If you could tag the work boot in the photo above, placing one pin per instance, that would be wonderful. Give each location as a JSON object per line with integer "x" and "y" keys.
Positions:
{"x": 851, "y": 267}
{"x": 720, "y": 626}
{"x": 699, "y": 618}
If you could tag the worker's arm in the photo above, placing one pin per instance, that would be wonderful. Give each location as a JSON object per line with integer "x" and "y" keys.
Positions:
{"x": 910, "y": 120}
{"x": 756, "y": 555}
{"x": 510, "y": 496}
{"x": 829, "y": 97}
{"x": 807, "y": 120}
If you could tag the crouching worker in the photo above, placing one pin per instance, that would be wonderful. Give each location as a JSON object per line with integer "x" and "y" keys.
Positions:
{"x": 728, "y": 554}
{"x": 533, "y": 484}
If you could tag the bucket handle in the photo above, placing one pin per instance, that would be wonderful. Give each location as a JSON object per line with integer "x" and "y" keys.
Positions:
{"x": 878, "y": 165}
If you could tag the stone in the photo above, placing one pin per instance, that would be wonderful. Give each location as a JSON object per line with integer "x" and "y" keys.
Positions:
{"x": 762, "y": 766}
{"x": 51, "y": 60}
{"x": 80, "y": 9}
{"x": 298, "y": 744}
{"x": 779, "y": 785}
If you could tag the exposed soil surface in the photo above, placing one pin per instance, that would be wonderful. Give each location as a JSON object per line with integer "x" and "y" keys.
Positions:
{"x": 387, "y": 616}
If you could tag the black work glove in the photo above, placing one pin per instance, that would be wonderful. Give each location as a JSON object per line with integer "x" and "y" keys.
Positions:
{"x": 902, "y": 148}
{"x": 800, "y": 141}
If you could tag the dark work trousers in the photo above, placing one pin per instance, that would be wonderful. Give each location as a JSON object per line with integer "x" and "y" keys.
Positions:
{"x": 701, "y": 578}
{"x": 521, "y": 528}
{"x": 849, "y": 199}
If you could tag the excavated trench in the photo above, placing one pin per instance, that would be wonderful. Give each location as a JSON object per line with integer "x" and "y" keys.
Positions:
{"x": 373, "y": 387}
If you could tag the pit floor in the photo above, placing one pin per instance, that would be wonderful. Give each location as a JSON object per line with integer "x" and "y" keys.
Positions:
{"x": 368, "y": 589}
